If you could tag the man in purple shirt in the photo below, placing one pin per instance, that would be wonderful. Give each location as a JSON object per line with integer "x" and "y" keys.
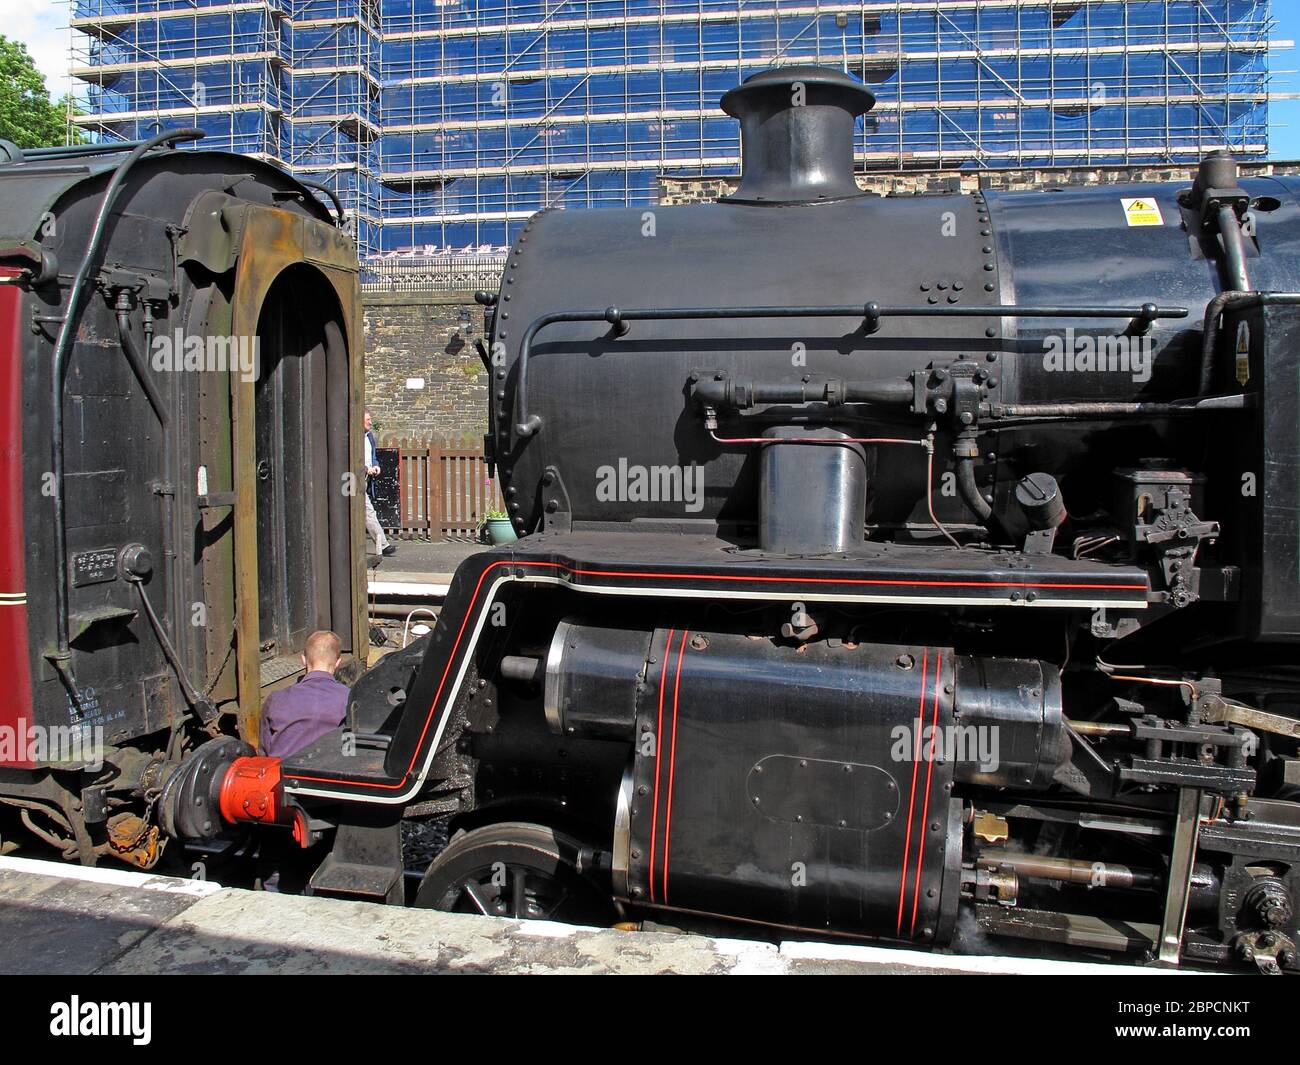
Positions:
{"x": 294, "y": 718}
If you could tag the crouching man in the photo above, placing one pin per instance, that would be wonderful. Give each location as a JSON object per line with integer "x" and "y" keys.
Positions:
{"x": 295, "y": 718}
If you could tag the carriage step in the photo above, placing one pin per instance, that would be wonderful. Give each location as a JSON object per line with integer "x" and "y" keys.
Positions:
{"x": 352, "y": 880}
{"x": 366, "y": 862}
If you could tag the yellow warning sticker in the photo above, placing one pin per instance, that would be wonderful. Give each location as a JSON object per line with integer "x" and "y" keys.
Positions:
{"x": 1243, "y": 354}
{"x": 1142, "y": 212}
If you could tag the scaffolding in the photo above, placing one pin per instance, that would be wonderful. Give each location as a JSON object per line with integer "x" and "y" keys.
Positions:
{"x": 292, "y": 81}
{"x": 445, "y": 124}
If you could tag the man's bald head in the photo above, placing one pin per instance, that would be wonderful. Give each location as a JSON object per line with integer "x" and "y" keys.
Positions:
{"x": 321, "y": 651}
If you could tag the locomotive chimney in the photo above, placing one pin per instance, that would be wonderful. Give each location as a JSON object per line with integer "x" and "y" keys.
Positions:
{"x": 796, "y": 134}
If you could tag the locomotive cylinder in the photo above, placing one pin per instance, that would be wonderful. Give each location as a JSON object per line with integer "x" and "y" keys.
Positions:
{"x": 1008, "y": 724}
{"x": 591, "y": 681}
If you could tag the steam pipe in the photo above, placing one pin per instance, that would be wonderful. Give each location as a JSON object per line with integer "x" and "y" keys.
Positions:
{"x": 1210, "y": 327}
{"x": 339, "y": 217}
{"x": 1234, "y": 249}
{"x": 136, "y": 359}
{"x": 1113, "y": 410}
{"x": 970, "y": 492}
{"x": 741, "y": 395}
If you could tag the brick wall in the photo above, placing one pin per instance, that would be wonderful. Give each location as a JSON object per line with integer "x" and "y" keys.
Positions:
{"x": 422, "y": 335}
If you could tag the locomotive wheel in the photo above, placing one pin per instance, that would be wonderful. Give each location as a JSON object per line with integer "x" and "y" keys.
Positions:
{"x": 515, "y": 870}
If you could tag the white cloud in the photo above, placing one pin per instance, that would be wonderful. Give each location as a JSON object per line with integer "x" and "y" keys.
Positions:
{"x": 42, "y": 25}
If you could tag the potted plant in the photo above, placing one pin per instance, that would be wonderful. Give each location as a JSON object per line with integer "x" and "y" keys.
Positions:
{"x": 500, "y": 530}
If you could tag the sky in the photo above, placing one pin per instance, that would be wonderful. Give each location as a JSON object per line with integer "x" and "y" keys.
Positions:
{"x": 1284, "y": 115}
{"x": 43, "y": 26}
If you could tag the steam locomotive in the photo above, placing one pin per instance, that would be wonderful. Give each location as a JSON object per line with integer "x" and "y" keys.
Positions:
{"x": 916, "y": 569}
{"x": 180, "y": 366}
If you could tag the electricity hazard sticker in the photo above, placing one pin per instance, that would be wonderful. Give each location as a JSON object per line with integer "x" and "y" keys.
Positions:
{"x": 1243, "y": 354}
{"x": 1142, "y": 212}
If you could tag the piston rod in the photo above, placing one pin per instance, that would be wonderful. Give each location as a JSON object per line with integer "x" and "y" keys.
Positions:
{"x": 1074, "y": 871}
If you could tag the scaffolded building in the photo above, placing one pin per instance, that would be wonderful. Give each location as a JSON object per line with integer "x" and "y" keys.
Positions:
{"x": 444, "y": 124}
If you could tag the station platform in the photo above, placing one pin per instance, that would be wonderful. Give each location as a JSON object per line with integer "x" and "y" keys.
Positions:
{"x": 419, "y": 567}
{"x": 68, "y": 920}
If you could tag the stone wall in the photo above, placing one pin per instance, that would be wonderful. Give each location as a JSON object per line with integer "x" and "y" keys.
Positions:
{"x": 428, "y": 337}
{"x": 681, "y": 190}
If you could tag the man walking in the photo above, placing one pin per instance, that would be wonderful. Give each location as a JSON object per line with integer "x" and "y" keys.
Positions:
{"x": 373, "y": 527}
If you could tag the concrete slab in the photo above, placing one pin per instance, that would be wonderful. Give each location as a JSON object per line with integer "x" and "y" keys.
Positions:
{"x": 60, "y": 920}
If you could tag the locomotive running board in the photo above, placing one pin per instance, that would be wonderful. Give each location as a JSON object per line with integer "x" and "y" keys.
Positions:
{"x": 686, "y": 568}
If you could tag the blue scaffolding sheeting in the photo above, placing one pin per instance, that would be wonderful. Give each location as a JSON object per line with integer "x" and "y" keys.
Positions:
{"x": 444, "y": 124}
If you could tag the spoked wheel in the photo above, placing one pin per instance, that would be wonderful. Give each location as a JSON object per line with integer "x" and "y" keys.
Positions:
{"x": 515, "y": 870}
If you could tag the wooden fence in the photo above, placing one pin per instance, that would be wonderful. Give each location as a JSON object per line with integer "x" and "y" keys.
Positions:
{"x": 443, "y": 491}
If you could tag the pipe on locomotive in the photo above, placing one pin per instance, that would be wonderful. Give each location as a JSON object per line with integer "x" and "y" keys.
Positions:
{"x": 1214, "y": 310}
{"x": 61, "y": 657}
{"x": 527, "y": 423}
{"x": 1222, "y": 202}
